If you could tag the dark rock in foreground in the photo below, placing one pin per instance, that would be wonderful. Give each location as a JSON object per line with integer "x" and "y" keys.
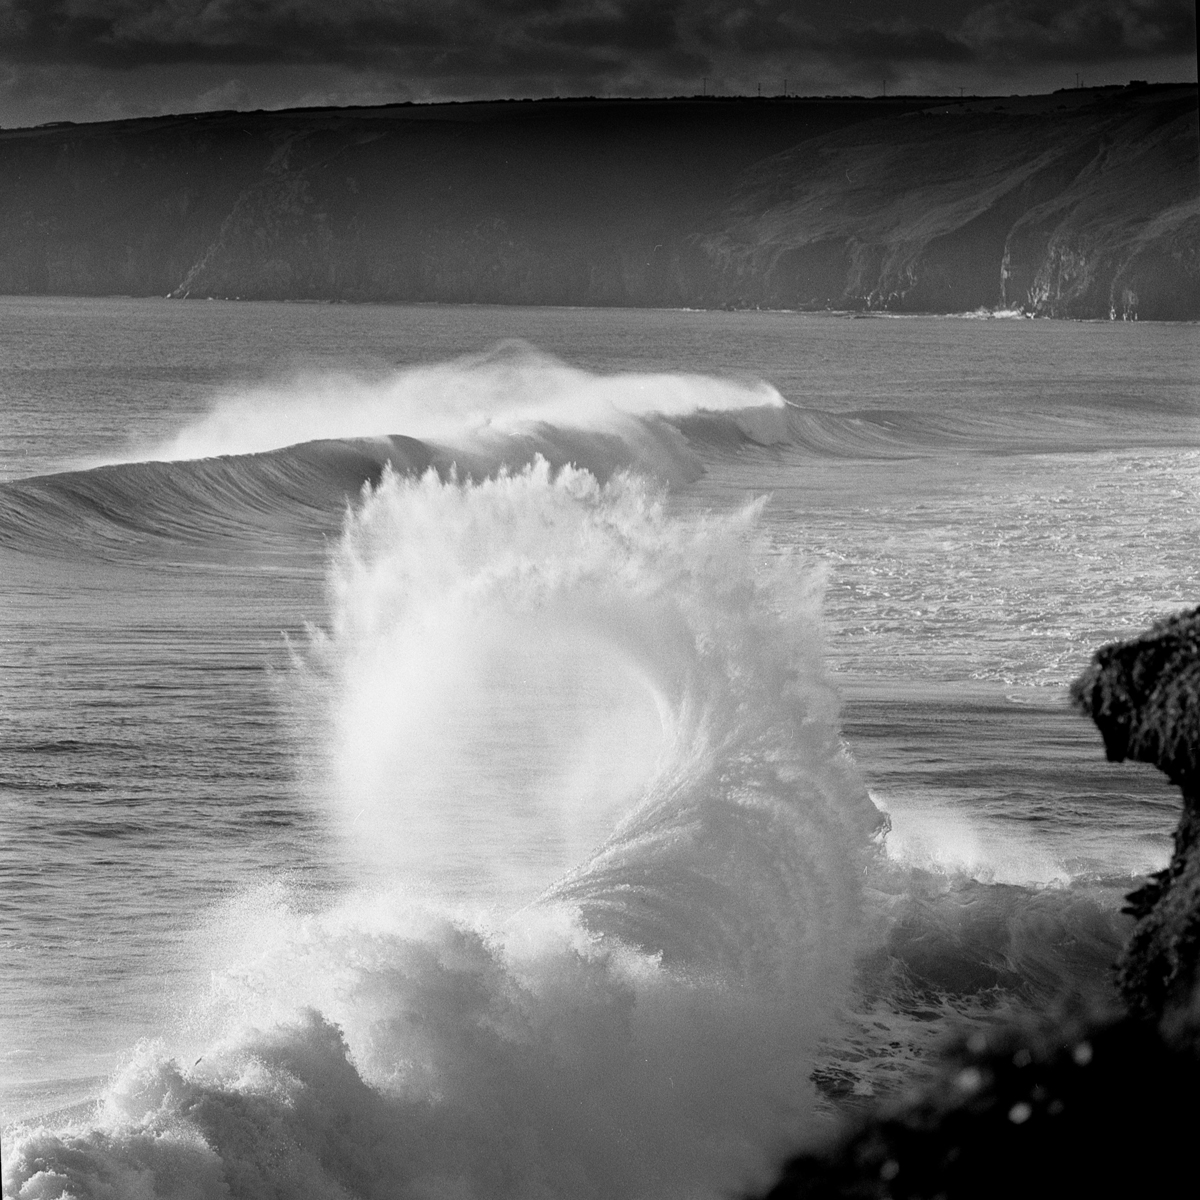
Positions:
{"x": 1079, "y": 204}
{"x": 1023, "y": 1117}
{"x": 1109, "y": 1109}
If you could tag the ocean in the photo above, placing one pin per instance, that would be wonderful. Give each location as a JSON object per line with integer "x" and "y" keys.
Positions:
{"x": 481, "y": 752}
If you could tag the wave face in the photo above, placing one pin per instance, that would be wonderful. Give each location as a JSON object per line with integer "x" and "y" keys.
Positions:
{"x": 638, "y": 1020}
{"x": 283, "y": 461}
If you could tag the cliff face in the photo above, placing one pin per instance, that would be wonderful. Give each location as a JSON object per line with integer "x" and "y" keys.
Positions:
{"x": 554, "y": 202}
{"x": 1082, "y": 204}
{"x": 1087, "y": 210}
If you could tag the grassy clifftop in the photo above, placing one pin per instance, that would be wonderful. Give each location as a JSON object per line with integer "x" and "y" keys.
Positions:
{"x": 1082, "y": 204}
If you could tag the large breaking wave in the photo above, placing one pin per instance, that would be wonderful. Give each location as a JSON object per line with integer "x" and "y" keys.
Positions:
{"x": 637, "y": 1021}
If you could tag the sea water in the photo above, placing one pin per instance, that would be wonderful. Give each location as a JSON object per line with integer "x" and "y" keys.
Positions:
{"x": 468, "y": 751}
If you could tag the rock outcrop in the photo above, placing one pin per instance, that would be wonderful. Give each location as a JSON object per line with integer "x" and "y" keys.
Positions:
{"x": 1073, "y": 1108}
{"x": 1080, "y": 204}
{"x": 1144, "y": 696}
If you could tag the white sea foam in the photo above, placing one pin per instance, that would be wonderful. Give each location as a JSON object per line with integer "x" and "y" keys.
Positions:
{"x": 471, "y": 402}
{"x": 645, "y": 1025}
{"x": 929, "y": 836}
{"x": 436, "y": 1058}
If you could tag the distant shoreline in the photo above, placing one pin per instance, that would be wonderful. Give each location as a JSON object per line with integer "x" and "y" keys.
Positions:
{"x": 832, "y": 313}
{"x": 1084, "y": 204}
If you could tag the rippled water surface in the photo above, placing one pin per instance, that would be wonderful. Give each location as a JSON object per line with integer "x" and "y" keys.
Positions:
{"x": 220, "y": 718}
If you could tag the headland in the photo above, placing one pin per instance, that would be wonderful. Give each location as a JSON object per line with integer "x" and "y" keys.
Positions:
{"x": 1081, "y": 204}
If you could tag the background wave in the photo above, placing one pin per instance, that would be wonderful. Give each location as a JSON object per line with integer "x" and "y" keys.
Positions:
{"x": 284, "y": 460}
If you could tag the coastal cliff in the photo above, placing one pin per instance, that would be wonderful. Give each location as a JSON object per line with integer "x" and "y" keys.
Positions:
{"x": 1080, "y": 204}
{"x": 1063, "y": 210}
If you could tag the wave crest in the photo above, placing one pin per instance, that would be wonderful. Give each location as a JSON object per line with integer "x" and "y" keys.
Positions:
{"x": 470, "y": 402}
{"x": 560, "y": 611}
{"x": 639, "y": 1014}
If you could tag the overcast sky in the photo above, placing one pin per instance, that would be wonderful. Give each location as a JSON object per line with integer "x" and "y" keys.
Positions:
{"x": 99, "y": 59}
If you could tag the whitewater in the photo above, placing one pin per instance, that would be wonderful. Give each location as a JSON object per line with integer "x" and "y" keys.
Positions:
{"x": 542, "y": 753}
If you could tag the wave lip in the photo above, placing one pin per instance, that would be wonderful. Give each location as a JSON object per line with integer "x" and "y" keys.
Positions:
{"x": 468, "y": 403}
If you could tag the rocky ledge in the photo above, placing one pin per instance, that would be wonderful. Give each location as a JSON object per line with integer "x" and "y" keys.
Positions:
{"x": 1144, "y": 696}
{"x": 1072, "y": 1108}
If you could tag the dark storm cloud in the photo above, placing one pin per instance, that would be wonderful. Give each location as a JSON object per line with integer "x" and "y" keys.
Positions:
{"x": 1089, "y": 32}
{"x": 140, "y": 56}
{"x": 549, "y": 34}
{"x": 132, "y": 33}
